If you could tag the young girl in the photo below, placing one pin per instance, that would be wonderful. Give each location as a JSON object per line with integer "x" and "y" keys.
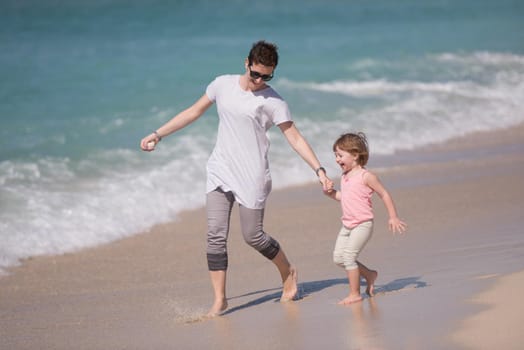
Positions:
{"x": 357, "y": 185}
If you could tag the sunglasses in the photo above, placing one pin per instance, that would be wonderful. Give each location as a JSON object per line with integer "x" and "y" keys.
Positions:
{"x": 255, "y": 75}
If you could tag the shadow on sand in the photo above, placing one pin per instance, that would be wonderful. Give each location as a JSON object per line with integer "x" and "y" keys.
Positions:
{"x": 308, "y": 288}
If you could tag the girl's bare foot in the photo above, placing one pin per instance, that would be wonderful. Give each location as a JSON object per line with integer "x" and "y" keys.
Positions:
{"x": 370, "y": 290}
{"x": 350, "y": 300}
{"x": 217, "y": 308}
{"x": 290, "y": 289}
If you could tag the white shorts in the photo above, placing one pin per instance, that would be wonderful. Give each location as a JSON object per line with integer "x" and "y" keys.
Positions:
{"x": 350, "y": 243}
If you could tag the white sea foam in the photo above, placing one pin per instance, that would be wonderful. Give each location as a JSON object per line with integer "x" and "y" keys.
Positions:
{"x": 405, "y": 114}
{"x": 483, "y": 58}
{"x": 52, "y": 206}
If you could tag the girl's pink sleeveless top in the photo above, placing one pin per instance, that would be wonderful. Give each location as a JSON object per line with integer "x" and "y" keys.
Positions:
{"x": 355, "y": 200}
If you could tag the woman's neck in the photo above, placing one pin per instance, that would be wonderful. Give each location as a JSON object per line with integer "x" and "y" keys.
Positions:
{"x": 246, "y": 84}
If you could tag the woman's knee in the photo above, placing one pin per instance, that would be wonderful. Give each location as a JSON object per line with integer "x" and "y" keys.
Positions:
{"x": 217, "y": 238}
{"x": 263, "y": 243}
{"x": 271, "y": 250}
{"x": 255, "y": 238}
{"x": 251, "y": 222}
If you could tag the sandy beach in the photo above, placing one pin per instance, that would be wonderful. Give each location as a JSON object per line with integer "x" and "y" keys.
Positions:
{"x": 453, "y": 281}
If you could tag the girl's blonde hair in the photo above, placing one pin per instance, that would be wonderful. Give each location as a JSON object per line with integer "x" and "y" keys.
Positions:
{"x": 356, "y": 144}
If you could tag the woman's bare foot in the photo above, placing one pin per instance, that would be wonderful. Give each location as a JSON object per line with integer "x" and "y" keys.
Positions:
{"x": 290, "y": 289}
{"x": 218, "y": 307}
{"x": 350, "y": 300}
{"x": 370, "y": 290}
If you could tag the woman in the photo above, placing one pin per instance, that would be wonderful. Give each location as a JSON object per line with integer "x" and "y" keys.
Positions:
{"x": 238, "y": 169}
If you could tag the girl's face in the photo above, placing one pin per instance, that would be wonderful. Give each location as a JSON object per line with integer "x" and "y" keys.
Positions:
{"x": 346, "y": 160}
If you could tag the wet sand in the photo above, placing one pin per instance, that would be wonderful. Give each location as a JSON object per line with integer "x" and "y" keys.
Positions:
{"x": 446, "y": 284}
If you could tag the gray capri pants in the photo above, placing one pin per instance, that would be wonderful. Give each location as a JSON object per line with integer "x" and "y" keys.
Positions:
{"x": 219, "y": 206}
{"x": 350, "y": 242}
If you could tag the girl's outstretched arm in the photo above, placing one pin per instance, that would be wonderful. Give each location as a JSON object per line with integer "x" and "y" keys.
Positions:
{"x": 394, "y": 223}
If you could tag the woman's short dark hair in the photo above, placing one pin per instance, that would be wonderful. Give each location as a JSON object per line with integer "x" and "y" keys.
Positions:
{"x": 263, "y": 53}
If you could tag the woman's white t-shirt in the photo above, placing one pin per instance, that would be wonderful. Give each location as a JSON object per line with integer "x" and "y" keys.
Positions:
{"x": 239, "y": 160}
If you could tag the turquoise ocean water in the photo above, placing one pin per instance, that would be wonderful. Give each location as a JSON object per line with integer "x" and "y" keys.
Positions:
{"x": 83, "y": 82}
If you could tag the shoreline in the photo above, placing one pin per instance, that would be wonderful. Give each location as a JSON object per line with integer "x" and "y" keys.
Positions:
{"x": 142, "y": 291}
{"x": 498, "y": 316}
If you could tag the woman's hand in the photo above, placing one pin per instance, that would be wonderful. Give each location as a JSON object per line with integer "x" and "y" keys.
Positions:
{"x": 327, "y": 184}
{"x": 149, "y": 142}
